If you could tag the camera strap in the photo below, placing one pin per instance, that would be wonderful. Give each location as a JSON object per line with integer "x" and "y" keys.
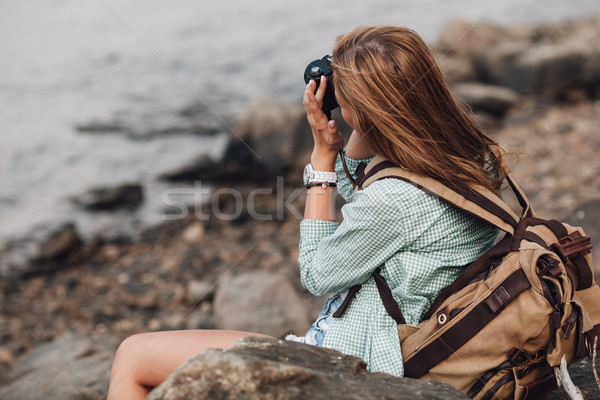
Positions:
{"x": 348, "y": 174}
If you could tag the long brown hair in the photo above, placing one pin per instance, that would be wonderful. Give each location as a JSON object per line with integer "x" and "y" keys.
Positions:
{"x": 405, "y": 111}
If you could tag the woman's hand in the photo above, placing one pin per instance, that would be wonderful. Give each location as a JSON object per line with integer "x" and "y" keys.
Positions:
{"x": 328, "y": 140}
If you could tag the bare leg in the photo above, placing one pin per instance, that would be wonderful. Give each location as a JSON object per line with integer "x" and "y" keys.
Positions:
{"x": 145, "y": 360}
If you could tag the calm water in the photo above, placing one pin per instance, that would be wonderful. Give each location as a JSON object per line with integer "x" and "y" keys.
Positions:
{"x": 136, "y": 65}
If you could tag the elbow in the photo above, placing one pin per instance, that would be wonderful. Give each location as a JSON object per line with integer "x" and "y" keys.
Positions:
{"x": 312, "y": 286}
{"x": 315, "y": 286}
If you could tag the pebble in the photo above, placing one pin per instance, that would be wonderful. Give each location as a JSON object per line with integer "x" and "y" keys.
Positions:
{"x": 193, "y": 234}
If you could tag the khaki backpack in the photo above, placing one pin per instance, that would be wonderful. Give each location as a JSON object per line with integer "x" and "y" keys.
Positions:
{"x": 503, "y": 327}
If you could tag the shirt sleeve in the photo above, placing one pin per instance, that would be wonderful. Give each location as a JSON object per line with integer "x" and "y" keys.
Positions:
{"x": 344, "y": 186}
{"x": 336, "y": 257}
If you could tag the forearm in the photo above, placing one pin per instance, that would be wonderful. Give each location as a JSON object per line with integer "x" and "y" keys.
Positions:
{"x": 320, "y": 202}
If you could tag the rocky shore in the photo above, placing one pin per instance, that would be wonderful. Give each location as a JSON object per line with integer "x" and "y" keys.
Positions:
{"x": 231, "y": 262}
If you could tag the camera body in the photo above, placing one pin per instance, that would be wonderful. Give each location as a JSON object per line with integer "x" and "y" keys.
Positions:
{"x": 314, "y": 71}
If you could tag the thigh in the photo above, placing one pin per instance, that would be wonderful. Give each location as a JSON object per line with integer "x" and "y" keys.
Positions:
{"x": 157, "y": 354}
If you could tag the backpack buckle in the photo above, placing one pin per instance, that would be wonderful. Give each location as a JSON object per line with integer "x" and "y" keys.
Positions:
{"x": 572, "y": 244}
{"x": 518, "y": 356}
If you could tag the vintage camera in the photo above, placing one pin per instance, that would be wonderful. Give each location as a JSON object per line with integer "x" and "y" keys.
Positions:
{"x": 314, "y": 71}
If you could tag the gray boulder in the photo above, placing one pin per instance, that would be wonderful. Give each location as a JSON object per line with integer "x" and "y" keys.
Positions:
{"x": 269, "y": 138}
{"x": 268, "y": 126}
{"x": 261, "y": 302}
{"x": 262, "y": 144}
{"x": 559, "y": 61}
{"x": 42, "y": 250}
{"x": 275, "y": 369}
{"x": 126, "y": 195}
{"x": 466, "y": 38}
{"x": 74, "y": 367}
{"x": 496, "y": 63}
{"x": 489, "y": 98}
{"x": 547, "y": 69}
{"x": 456, "y": 68}
{"x": 591, "y": 75}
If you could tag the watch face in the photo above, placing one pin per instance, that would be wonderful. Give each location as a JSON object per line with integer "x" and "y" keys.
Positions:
{"x": 307, "y": 171}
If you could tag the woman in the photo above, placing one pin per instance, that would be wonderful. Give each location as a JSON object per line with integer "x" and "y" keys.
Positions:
{"x": 393, "y": 95}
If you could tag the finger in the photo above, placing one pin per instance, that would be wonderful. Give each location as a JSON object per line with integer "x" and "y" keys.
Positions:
{"x": 334, "y": 134}
{"x": 332, "y": 128}
{"x": 309, "y": 100}
{"x": 321, "y": 90}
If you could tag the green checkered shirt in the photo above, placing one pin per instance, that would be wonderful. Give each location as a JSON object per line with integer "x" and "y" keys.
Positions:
{"x": 422, "y": 242}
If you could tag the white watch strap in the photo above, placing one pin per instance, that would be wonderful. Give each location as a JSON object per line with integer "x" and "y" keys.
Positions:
{"x": 323, "y": 176}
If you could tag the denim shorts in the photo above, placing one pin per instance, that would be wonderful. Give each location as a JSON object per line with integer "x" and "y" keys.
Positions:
{"x": 316, "y": 333}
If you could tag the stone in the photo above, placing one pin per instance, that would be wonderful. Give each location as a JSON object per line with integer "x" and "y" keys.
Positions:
{"x": 102, "y": 127}
{"x": 42, "y": 250}
{"x": 200, "y": 291}
{"x": 553, "y": 69}
{"x": 58, "y": 243}
{"x": 550, "y": 69}
{"x": 193, "y": 234}
{"x": 496, "y": 63}
{"x": 262, "y": 145}
{"x": 260, "y": 302}
{"x": 467, "y": 37}
{"x": 591, "y": 75}
{"x": 126, "y": 195}
{"x": 73, "y": 367}
{"x": 587, "y": 216}
{"x": 267, "y": 125}
{"x": 200, "y": 319}
{"x": 456, "y": 68}
{"x": 257, "y": 368}
{"x": 270, "y": 139}
{"x": 489, "y": 98}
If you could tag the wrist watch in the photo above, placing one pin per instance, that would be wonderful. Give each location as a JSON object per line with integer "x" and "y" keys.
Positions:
{"x": 315, "y": 178}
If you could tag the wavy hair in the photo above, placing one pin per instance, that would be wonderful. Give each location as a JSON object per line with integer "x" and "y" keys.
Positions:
{"x": 404, "y": 110}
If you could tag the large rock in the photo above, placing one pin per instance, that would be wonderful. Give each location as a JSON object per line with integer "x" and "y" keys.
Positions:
{"x": 467, "y": 38}
{"x": 456, "y": 68}
{"x": 496, "y": 63}
{"x": 268, "y": 126}
{"x": 587, "y": 216}
{"x": 269, "y": 139}
{"x": 591, "y": 75}
{"x": 260, "y": 302}
{"x": 42, "y": 250}
{"x": 74, "y": 367}
{"x": 489, "y": 98}
{"x": 547, "y": 69}
{"x": 126, "y": 195}
{"x": 275, "y": 369}
{"x": 263, "y": 144}
{"x": 559, "y": 61}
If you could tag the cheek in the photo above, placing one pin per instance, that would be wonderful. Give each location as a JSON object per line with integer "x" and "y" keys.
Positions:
{"x": 347, "y": 117}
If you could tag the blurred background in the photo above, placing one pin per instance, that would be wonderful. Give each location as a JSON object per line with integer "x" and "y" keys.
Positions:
{"x": 112, "y": 112}
{"x": 96, "y": 93}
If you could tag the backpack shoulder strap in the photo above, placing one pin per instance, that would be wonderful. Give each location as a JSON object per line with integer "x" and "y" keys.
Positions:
{"x": 475, "y": 200}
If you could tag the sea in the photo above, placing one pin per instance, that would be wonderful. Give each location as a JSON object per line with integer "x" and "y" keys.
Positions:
{"x": 96, "y": 93}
